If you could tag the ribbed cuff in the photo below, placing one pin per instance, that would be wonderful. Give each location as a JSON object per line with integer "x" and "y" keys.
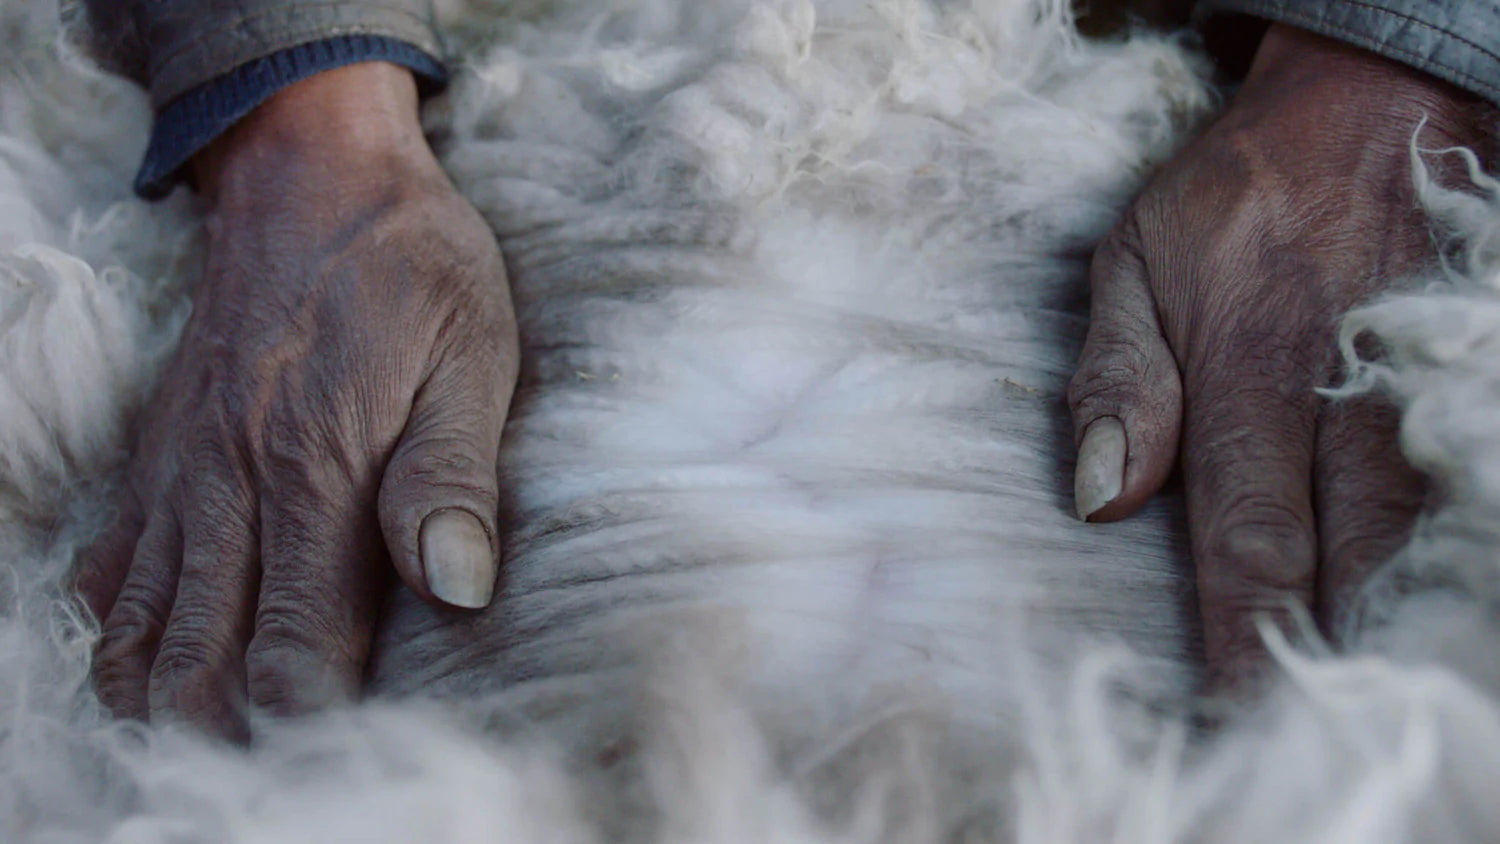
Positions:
{"x": 192, "y": 121}
{"x": 1455, "y": 40}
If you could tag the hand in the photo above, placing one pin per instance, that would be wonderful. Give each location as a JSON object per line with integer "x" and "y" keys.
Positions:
{"x": 1216, "y": 302}
{"x": 343, "y": 380}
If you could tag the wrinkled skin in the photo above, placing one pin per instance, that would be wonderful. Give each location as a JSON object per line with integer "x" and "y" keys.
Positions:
{"x": 345, "y": 374}
{"x": 1216, "y": 303}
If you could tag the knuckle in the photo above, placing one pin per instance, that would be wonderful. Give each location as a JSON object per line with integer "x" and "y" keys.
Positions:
{"x": 121, "y": 693}
{"x": 119, "y": 672}
{"x": 123, "y": 639}
{"x": 1356, "y": 554}
{"x": 273, "y": 684}
{"x": 187, "y": 661}
{"x": 1261, "y": 335}
{"x": 138, "y": 615}
{"x": 287, "y": 679}
{"x": 289, "y": 626}
{"x": 1149, "y": 390}
{"x": 218, "y": 502}
{"x": 1111, "y": 381}
{"x": 270, "y": 686}
{"x": 1264, "y": 345}
{"x": 1245, "y": 517}
{"x": 1245, "y": 416}
{"x": 450, "y": 463}
{"x": 220, "y": 447}
{"x": 119, "y": 651}
{"x": 316, "y": 455}
{"x": 1259, "y": 544}
{"x": 1371, "y": 506}
{"x": 285, "y": 449}
{"x": 208, "y": 448}
{"x": 1359, "y": 536}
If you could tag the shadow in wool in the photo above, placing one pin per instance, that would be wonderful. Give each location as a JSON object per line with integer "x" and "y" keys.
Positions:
{"x": 790, "y": 554}
{"x": 799, "y": 306}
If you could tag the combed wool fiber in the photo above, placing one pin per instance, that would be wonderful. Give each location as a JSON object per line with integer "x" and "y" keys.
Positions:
{"x": 791, "y": 555}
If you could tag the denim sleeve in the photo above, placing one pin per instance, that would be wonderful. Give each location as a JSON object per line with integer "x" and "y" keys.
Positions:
{"x": 190, "y": 122}
{"x": 207, "y": 63}
{"x": 1456, "y": 40}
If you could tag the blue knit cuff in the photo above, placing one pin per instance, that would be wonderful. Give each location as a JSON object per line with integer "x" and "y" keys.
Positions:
{"x": 193, "y": 120}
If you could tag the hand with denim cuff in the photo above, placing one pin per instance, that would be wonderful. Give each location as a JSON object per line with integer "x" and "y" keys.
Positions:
{"x": 333, "y": 413}
{"x": 1216, "y": 305}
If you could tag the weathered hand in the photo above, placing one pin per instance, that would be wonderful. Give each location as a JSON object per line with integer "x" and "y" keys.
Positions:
{"x": 1215, "y": 307}
{"x": 336, "y": 403}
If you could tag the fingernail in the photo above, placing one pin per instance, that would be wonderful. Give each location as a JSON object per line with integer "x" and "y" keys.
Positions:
{"x": 456, "y": 557}
{"x": 1101, "y": 466}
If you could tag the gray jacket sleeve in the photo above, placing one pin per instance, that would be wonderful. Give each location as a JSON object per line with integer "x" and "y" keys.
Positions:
{"x": 173, "y": 46}
{"x": 1456, "y": 40}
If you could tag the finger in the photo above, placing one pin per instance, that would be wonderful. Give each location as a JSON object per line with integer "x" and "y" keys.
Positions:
{"x": 439, "y": 496}
{"x": 1367, "y": 497}
{"x": 1248, "y": 452}
{"x": 103, "y": 566}
{"x": 135, "y": 623}
{"x": 199, "y": 671}
{"x": 1126, "y": 396}
{"x": 323, "y": 572}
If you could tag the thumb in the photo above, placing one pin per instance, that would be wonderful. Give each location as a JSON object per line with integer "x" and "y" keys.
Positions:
{"x": 439, "y": 495}
{"x": 1126, "y": 396}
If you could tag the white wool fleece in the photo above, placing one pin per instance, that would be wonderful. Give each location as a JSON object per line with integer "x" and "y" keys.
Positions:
{"x": 791, "y": 555}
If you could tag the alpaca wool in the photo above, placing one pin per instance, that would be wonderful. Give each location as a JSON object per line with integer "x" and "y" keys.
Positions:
{"x": 790, "y": 551}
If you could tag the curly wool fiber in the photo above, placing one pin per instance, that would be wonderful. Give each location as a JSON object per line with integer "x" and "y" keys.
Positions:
{"x": 791, "y": 554}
